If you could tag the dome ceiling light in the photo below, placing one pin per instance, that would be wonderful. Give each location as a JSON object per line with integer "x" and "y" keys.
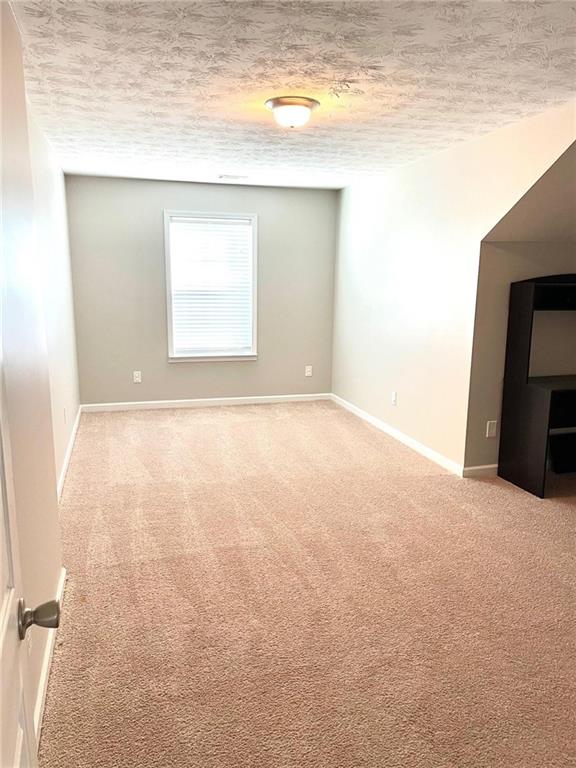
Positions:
{"x": 292, "y": 111}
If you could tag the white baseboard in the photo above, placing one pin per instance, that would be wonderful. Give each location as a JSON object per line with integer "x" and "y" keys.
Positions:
{"x": 68, "y": 453}
{"x": 205, "y": 402}
{"x": 46, "y": 663}
{"x": 429, "y": 453}
{"x": 481, "y": 470}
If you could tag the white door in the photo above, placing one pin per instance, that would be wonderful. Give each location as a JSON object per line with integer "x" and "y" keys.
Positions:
{"x": 17, "y": 743}
{"x": 30, "y": 555}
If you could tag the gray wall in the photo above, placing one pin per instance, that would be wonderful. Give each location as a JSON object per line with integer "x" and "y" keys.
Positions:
{"x": 407, "y": 273}
{"x": 58, "y": 310}
{"x": 117, "y": 250}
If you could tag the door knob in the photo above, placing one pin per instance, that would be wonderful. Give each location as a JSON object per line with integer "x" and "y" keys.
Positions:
{"x": 46, "y": 615}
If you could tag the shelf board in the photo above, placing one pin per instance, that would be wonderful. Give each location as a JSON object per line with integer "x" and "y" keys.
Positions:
{"x": 554, "y": 383}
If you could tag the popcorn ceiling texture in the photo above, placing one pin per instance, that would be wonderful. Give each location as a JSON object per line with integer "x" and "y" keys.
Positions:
{"x": 283, "y": 586}
{"x": 185, "y": 82}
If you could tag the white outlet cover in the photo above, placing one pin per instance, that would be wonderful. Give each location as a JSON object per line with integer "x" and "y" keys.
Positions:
{"x": 308, "y": 370}
{"x": 394, "y": 398}
{"x": 137, "y": 377}
{"x": 491, "y": 428}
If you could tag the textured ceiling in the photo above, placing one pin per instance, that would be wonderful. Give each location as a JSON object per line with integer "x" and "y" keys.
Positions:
{"x": 177, "y": 89}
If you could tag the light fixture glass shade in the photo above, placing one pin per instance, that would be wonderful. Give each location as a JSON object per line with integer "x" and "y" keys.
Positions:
{"x": 291, "y": 115}
{"x": 292, "y": 111}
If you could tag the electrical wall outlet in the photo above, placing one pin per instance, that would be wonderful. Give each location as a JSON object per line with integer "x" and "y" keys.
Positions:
{"x": 394, "y": 398}
{"x": 491, "y": 428}
{"x": 137, "y": 377}
{"x": 308, "y": 370}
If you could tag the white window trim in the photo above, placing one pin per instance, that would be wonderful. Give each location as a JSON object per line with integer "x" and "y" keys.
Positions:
{"x": 217, "y": 357}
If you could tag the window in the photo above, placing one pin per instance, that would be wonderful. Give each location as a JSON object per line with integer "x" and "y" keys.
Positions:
{"x": 211, "y": 283}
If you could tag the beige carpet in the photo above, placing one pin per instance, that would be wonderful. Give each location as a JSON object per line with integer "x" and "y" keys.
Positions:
{"x": 283, "y": 586}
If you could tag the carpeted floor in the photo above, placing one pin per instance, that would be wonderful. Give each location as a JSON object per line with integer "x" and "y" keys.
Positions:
{"x": 283, "y": 586}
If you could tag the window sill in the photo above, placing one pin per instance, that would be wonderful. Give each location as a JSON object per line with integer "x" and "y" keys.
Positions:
{"x": 213, "y": 359}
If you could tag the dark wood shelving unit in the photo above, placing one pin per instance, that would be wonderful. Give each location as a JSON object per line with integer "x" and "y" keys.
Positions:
{"x": 539, "y": 412}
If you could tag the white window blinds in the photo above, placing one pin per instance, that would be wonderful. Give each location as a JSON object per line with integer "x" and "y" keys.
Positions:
{"x": 211, "y": 276}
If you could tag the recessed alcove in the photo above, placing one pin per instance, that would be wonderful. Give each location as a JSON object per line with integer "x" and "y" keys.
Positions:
{"x": 537, "y": 237}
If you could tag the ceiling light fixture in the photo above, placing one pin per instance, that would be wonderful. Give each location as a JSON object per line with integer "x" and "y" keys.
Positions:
{"x": 292, "y": 111}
